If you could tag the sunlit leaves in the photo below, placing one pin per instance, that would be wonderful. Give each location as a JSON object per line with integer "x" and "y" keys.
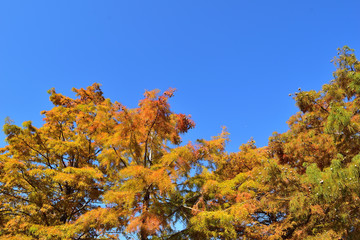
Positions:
{"x": 99, "y": 170}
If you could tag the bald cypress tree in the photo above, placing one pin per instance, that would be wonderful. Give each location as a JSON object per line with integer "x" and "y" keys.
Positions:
{"x": 99, "y": 170}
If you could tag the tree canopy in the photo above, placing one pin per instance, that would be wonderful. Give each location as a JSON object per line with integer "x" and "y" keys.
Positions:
{"x": 99, "y": 170}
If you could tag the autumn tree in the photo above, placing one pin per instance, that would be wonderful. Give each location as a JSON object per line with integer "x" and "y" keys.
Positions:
{"x": 98, "y": 170}
{"x": 304, "y": 185}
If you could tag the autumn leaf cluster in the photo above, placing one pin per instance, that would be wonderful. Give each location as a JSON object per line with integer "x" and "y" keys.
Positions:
{"x": 99, "y": 170}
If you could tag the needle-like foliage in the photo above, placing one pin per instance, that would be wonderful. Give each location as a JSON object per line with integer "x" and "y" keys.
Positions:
{"x": 98, "y": 170}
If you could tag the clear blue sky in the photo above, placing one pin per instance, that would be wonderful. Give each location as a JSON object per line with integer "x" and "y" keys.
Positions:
{"x": 233, "y": 62}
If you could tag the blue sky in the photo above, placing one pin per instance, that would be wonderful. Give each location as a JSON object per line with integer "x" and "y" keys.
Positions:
{"x": 233, "y": 62}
